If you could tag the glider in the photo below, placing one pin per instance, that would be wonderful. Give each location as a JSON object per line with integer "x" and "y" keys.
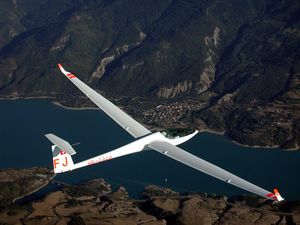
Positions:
{"x": 144, "y": 140}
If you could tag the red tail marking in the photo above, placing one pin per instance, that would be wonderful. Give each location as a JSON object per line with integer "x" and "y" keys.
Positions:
{"x": 66, "y": 161}
{"x": 55, "y": 162}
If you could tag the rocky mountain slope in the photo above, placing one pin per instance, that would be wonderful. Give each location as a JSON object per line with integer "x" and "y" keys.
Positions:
{"x": 235, "y": 62}
{"x": 94, "y": 202}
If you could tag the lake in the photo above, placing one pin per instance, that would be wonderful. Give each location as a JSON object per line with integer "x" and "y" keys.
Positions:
{"x": 23, "y": 124}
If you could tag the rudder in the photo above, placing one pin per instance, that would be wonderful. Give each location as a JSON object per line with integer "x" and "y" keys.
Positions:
{"x": 62, "y": 161}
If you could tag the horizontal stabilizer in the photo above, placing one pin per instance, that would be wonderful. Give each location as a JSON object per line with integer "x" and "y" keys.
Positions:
{"x": 62, "y": 144}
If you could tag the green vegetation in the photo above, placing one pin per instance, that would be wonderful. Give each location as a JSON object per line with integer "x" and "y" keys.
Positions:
{"x": 177, "y": 132}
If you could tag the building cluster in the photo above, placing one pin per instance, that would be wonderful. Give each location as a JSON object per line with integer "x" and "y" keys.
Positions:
{"x": 165, "y": 115}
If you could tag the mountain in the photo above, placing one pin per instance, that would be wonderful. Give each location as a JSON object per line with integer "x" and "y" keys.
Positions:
{"x": 227, "y": 66}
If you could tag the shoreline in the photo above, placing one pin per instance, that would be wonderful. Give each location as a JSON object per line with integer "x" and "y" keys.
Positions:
{"x": 258, "y": 146}
{"x": 12, "y": 98}
{"x": 240, "y": 144}
{"x": 55, "y": 102}
{"x": 34, "y": 191}
{"x": 211, "y": 131}
{"x": 73, "y": 108}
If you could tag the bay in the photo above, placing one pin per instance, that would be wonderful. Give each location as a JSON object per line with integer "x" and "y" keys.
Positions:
{"x": 23, "y": 124}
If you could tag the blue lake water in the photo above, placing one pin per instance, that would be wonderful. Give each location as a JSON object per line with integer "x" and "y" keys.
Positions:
{"x": 23, "y": 124}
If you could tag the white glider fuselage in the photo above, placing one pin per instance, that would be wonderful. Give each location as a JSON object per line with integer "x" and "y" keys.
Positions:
{"x": 162, "y": 142}
{"x": 133, "y": 147}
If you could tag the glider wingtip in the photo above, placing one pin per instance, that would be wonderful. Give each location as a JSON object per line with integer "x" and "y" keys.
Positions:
{"x": 278, "y": 196}
{"x": 62, "y": 69}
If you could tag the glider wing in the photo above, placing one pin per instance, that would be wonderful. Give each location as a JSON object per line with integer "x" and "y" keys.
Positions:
{"x": 199, "y": 164}
{"x": 123, "y": 119}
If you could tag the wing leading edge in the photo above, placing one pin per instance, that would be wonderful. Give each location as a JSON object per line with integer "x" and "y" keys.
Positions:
{"x": 208, "y": 168}
{"x": 124, "y": 120}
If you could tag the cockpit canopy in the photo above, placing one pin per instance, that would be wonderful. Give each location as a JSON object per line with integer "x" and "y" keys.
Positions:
{"x": 173, "y": 133}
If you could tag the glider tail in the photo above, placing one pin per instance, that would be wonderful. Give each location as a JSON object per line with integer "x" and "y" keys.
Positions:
{"x": 62, "y": 161}
{"x": 61, "y": 152}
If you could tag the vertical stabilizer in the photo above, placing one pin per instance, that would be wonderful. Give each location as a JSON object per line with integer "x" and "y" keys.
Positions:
{"x": 62, "y": 161}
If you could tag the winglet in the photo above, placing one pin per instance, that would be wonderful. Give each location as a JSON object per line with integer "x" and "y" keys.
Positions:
{"x": 68, "y": 74}
{"x": 62, "y": 69}
{"x": 278, "y": 196}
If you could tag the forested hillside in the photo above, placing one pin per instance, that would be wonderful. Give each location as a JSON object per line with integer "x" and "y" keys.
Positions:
{"x": 228, "y": 66}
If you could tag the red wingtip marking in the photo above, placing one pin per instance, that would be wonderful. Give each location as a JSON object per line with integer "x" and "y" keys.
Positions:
{"x": 71, "y": 75}
{"x": 59, "y": 65}
{"x": 271, "y": 195}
